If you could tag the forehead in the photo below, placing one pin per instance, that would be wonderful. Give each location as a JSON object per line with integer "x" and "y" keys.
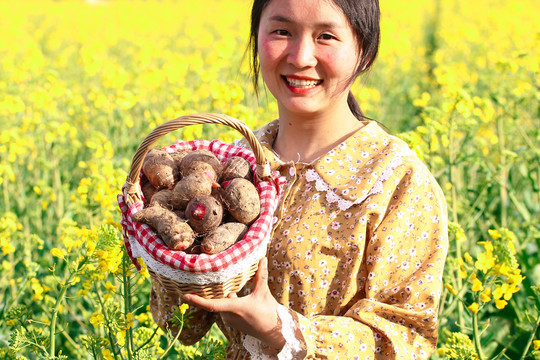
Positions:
{"x": 305, "y": 11}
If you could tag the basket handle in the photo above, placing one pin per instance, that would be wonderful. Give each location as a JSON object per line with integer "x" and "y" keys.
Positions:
{"x": 262, "y": 166}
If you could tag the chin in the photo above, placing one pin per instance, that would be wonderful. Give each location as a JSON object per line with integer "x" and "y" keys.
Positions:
{"x": 303, "y": 109}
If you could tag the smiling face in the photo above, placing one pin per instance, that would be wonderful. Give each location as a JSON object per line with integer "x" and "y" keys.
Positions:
{"x": 308, "y": 54}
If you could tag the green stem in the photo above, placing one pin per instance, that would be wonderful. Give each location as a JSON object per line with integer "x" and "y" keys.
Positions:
{"x": 59, "y": 299}
{"x": 531, "y": 338}
{"x": 503, "y": 172}
{"x": 452, "y": 179}
{"x": 127, "y": 305}
{"x": 171, "y": 344}
{"x": 148, "y": 341}
{"x": 476, "y": 334}
{"x": 109, "y": 330}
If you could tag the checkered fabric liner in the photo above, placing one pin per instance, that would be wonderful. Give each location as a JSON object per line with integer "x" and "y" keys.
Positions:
{"x": 269, "y": 192}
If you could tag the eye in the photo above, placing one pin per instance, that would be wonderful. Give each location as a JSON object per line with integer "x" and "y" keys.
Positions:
{"x": 327, "y": 37}
{"x": 281, "y": 32}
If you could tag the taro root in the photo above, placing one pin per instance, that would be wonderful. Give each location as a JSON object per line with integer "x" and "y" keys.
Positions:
{"x": 236, "y": 167}
{"x": 174, "y": 231}
{"x": 223, "y": 237}
{"x": 160, "y": 169}
{"x": 195, "y": 184}
{"x": 178, "y": 156}
{"x": 162, "y": 198}
{"x": 201, "y": 161}
{"x": 148, "y": 190}
{"x": 204, "y": 213}
{"x": 241, "y": 199}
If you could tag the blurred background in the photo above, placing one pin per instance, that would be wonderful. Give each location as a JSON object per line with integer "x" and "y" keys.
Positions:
{"x": 83, "y": 82}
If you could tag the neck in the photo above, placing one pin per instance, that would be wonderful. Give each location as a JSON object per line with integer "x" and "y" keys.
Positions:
{"x": 306, "y": 138}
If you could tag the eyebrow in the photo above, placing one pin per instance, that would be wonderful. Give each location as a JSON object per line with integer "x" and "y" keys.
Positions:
{"x": 284, "y": 19}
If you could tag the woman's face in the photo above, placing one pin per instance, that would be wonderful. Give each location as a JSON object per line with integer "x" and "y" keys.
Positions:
{"x": 307, "y": 53}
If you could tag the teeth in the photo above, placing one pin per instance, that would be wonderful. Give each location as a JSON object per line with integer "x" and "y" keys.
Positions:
{"x": 302, "y": 83}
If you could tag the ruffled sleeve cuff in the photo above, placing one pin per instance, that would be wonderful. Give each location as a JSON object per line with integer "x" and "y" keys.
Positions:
{"x": 295, "y": 346}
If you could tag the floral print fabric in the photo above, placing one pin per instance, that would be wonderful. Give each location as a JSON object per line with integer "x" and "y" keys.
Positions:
{"x": 357, "y": 252}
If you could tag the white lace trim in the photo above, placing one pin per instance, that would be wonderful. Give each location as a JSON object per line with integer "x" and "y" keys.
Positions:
{"x": 210, "y": 277}
{"x": 344, "y": 204}
{"x": 292, "y": 347}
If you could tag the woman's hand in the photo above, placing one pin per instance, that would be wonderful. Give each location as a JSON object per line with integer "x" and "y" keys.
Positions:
{"x": 254, "y": 314}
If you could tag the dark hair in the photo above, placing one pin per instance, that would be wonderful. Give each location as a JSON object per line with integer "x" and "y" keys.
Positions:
{"x": 364, "y": 17}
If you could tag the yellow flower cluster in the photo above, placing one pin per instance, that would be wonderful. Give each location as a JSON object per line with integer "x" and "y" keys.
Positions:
{"x": 501, "y": 276}
{"x": 9, "y": 227}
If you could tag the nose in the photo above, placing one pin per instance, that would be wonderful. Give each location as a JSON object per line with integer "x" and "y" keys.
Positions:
{"x": 302, "y": 53}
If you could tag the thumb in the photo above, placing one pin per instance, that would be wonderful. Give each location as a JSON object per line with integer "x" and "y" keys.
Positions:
{"x": 261, "y": 276}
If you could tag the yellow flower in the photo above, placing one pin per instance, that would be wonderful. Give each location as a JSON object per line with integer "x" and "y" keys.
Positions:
{"x": 500, "y": 304}
{"x": 510, "y": 290}
{"x": 468, "y": 258}
{"x": 450, "y": 288}
{"x": 488, "y": 245}
{"x": 503, "y": 270}
{"x": 183, "y": 308}
{"x": 477, "y": 285}
{"x": 129, "y": 321}
{"x": 97, "y": 319}
{"x": 110, "y": 287}
{"x": 494, "y": 233}
{"x": 142, "y": 318}
{"x": 59, "y": 253}
{"x": 536, "y": 344}
{"x": 38, "y": 289}
{"x": 107, "y": 355}
{"x": 144, "y": 269}
{"x": 485, "y": 261}
{"x": 423, "y": 101}
{"x": 515, "y": 278}
{"x": 121, "y": 338}
{"x": 486, "y": 295}
{"x": 90, "y": 247}
{"x": 474, "y": 307}
{"x": 499, "y": 291}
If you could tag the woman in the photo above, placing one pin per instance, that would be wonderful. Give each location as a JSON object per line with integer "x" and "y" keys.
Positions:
{"x": 354, "y": 267}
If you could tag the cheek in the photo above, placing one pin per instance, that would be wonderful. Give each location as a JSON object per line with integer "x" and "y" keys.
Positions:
{"x": 269, "y": 51}
{"x": 339, "y": 63}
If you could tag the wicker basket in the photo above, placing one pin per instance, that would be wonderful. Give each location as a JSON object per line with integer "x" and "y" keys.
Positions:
{"x": 161, "y": 263}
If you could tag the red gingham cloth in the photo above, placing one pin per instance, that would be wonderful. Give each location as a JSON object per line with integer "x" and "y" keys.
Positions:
{"x": 269, "y": 192}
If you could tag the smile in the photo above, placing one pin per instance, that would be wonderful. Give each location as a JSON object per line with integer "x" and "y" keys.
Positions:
{"x": 301, "y": 83}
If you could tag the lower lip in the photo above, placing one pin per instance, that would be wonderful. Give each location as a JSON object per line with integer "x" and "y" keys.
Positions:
{"x": 300, "y": 91}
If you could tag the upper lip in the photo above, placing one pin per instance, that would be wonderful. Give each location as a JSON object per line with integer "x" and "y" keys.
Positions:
{"x": 297, "y": 77}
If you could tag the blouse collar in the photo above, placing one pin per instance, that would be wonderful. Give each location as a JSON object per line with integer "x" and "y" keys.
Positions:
{"x": 351, "y": 171}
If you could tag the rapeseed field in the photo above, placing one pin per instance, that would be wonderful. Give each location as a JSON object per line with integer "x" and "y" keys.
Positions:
{"x": 83, "y": 82}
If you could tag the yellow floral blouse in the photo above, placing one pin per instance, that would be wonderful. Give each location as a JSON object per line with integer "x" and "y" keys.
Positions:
{"x": 356, "y": 258}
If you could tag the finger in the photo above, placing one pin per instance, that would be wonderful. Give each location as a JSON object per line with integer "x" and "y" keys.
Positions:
{"x": 261, "y": 276}
{"x": 212, "y": 305}
{"x": 232, "y": 296}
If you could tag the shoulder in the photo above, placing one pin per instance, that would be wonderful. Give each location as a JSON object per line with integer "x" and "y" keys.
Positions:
{"x": 371, "y": 162}
{"x": 265, "y": 135}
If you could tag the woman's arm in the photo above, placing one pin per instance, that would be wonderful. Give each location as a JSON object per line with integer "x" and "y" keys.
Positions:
{"x": 255, "y": 314}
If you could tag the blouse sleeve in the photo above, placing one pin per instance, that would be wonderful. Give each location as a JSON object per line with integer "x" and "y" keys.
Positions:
{"x": 395, "y": 313}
